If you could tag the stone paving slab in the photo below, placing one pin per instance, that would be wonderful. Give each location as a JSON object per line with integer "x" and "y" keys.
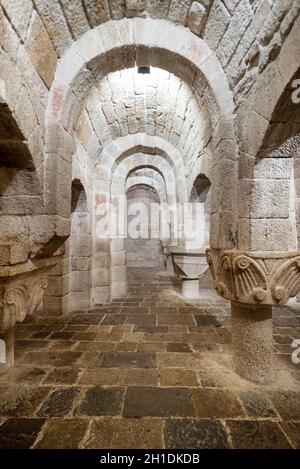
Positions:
{"x": 125, "y": 433}
{"x": 247, "y": 434}
{"x": 71, "y": 432}
{"x": 158, "y": 402}
{"x": 195, "y": 434}
{"x": 20, "y": 433}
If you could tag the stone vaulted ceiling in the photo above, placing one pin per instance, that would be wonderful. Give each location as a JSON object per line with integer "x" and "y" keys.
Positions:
{"x": 158, "y": 104}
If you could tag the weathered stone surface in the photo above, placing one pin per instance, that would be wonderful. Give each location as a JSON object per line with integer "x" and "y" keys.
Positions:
{"x": 62, "y": 376}
{"x": 101, "y": 401}
{"x": 178, "y": 377}
{"x": 92, "y": 319}
{"x": 38, "y": 40}
{"x": 125, "y": 433}
{"x": 178, "y": 347}
{"x": 158, "y": 8}
{"x": 222, "y": 397}
{"x": 256, "y": 435}
{"x": 114, "y": 319}
{"x": 191, "y": 434}
{"x": 54, "y": 21}
{"x": 127, "y": 360}
{"x": 19, "y": 13}
{"x": 235, "y": 30}
{"x": 196, "y": 18}
{"x": 178, "y": 11}
{"x": 25, "y": 112}
{"x": 59, "y": 403}
{"x": 256, "y": 404}
{"x": 268, "y": 285}
{"x": 292, "y": 430}
{"x": 49, "y": 358}
{"x": 97, "y": 11}
{"x": 75, "y": 16}
{"x": 19, "y": 433}
{"x": 150, "y": 329}
{"x": 70, "y": 431}
{"x": 156, "y": 402}
{"x": 19, "y": 402}
{"x": 145, "y": 319}
{"x": 140, "y": 377}
{"x": 216, "y": 24}
{"x": 18, "y": 375}
{"x": 216, "y": 403}
{"x": 252, "y": 340}
{"x": 133, "y": 7}
{"x": 286, "y": 403}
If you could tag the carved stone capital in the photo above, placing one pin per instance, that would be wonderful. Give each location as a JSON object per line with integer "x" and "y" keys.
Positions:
{"x": 266, "y": 278}
{"x": 21, "y": 290}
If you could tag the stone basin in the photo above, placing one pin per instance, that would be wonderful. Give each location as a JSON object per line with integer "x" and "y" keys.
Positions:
{"x": 189, "y": 265}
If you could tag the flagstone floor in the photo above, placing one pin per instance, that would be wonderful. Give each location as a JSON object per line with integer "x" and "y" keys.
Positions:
{"x": 147, "y": 371}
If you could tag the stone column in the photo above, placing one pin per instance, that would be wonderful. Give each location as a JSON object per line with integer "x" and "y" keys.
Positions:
{"x": 252, "y": 341}
{"x": 254, "y": 282}
{"x": 190, "y": 288}
{"x": 8, "y": 338}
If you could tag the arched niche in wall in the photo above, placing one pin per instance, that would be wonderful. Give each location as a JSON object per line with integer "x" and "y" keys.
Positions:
{"x": 14, "y": 152}
{"x": 200, "y": 211}
{"x": 78, "y": 249}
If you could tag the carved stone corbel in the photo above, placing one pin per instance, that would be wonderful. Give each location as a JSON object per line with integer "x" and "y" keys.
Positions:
{"x": 20, "y": 298}
{"x": 262, "y": 278}
{"x": 22, "y": 288}
{"x": 254, "y": 282}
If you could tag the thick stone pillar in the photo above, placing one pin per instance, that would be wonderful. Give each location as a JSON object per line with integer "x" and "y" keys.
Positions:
{"x": 118, "y": 269}
{"x": 254, "y": 282}
{"x": 252, "y": 341}
{"x": 8, "y": 338}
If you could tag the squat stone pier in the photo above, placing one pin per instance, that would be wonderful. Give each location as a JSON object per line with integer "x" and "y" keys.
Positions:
{"x": 254, "y": 282}
{"x": 252, "y": 341}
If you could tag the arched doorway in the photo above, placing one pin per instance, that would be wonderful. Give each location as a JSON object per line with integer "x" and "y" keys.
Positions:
{"x": 142, "y": 245}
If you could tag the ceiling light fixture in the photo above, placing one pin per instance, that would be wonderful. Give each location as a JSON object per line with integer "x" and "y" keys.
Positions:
{"x": 144, "y": 70}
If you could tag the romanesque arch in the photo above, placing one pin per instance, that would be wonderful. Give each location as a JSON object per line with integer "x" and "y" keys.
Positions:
{"x": 194, "y": 63}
